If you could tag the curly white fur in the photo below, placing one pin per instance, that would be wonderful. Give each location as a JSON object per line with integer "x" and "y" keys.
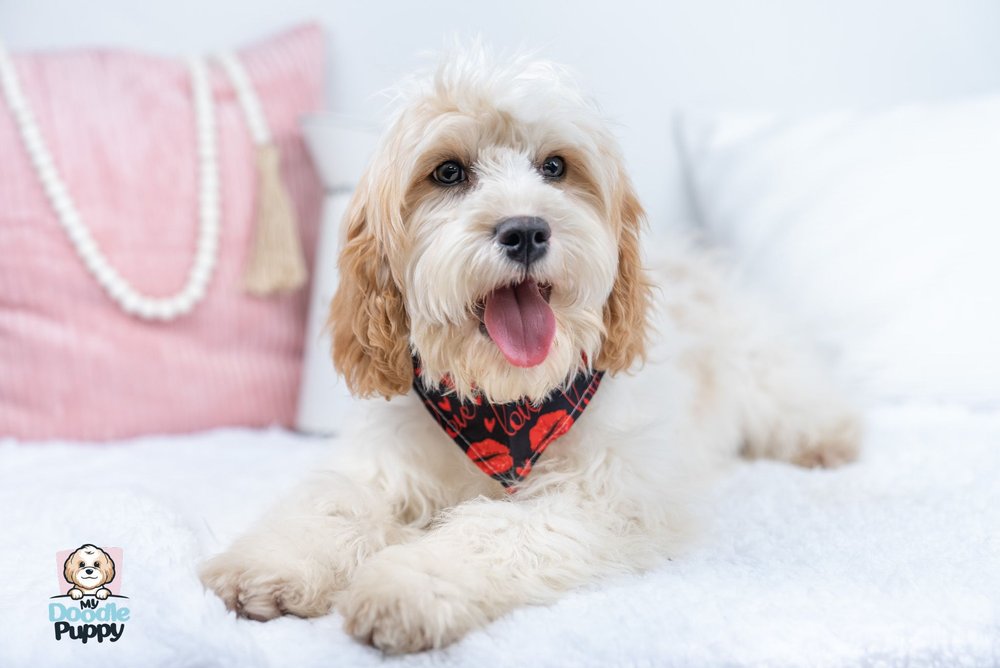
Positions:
{"x": 410, "y": 542}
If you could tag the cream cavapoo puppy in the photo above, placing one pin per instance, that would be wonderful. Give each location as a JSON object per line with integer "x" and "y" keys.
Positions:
{"x": 492, "y": 287}
{"x": 88, "y": 569}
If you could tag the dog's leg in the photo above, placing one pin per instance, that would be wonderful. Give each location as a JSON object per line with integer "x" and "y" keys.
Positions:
{"x": 486, "y": 557}
{"x": 791, "y": 411}
{"x": 775, "y": 399}
{"x": 383, "y": 489}
{"x": 753, "y": 383}
{"x": 300, "y": 554}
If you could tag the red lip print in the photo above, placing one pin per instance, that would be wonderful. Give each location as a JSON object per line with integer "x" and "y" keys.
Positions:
{"x": 490, "y": 456}
{"x": 504, "y": 440}
{"x": 549, "y": 427}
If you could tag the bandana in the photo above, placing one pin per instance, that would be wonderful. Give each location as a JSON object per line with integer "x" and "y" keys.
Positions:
{"x": 504, "y": 440}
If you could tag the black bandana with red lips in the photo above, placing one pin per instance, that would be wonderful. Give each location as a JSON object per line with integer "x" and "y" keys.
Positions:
{"x": 504, "y": 440}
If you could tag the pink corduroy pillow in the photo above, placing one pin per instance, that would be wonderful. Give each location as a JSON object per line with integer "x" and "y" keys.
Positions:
{"x": 121, "y": 130}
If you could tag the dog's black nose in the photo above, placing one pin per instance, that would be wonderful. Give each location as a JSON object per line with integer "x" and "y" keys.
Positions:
{"x": 90, "y": 571}
{"x": 525, "y": 239}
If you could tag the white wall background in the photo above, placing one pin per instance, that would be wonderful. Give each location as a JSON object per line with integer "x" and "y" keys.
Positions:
{"x": 642, "y": 60}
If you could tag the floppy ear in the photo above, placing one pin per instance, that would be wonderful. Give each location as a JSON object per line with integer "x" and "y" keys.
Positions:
{"x": 108, "y": 568}
{"x": 625, "y": 312}
{"x": 371, "y": 331}
{"x": 68, "y": 568}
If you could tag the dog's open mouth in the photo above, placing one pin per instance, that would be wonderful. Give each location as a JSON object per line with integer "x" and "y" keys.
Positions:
{"x": 519, "y": 321}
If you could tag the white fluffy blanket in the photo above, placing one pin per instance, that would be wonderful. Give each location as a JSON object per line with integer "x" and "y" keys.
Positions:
{"x": 892, "y": 561}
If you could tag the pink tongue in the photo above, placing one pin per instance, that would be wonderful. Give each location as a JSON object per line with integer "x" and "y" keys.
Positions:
{"x": 520, "y": 323}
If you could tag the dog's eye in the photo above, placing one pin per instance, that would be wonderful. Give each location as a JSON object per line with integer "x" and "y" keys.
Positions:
{"x": 97, "y": 564}
{"x": 449, "y": 173}
{"x": 553, "y": 167}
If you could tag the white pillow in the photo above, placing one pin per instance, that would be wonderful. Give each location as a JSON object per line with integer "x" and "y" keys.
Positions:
{"x": 340, "y": 147}
{"x": 881, "y": 231}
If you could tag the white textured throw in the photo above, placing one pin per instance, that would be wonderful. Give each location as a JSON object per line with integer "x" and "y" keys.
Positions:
{"x": 892, "y": 561}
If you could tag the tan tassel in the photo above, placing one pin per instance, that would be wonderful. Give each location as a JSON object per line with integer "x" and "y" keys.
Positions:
{"x": 277, "y": 263}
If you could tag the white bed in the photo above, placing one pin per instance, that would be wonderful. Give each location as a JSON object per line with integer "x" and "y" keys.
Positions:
{"x": 891, "y": 561}
{"x": 894, "y": 560}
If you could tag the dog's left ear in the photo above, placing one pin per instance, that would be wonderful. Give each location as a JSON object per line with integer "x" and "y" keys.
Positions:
{"x": 626, "y": 311}
{"x": 108, "y": 568}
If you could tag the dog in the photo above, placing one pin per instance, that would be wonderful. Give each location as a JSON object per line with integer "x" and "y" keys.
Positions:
{"x": 88, "y": 569}
{"x": 491, "y": 262}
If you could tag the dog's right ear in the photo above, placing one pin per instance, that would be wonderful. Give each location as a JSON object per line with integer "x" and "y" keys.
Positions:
{"x": 371, "y": 330}
{"x": 68, "y": 568}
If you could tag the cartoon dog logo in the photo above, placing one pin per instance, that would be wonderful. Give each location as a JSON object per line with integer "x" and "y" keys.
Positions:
{"x": 88, "y": 569}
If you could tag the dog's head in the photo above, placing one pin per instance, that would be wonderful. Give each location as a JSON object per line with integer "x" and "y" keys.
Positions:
{"x": 495, "y": 235}
{"x": 89, "y": 567}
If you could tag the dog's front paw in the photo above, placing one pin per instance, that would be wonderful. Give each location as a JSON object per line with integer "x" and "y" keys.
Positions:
{"x": 403, "y": 600}
{"x": 103, "y": 593}
{"x": 264, "y": 589}
{"x": 75, "y": 594}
